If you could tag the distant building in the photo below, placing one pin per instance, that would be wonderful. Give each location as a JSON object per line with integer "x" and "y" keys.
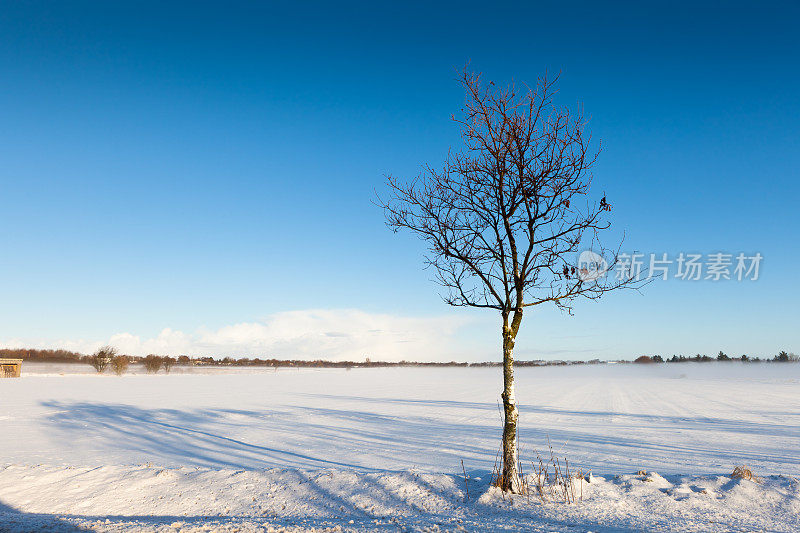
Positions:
{"x": 10, "y": 368}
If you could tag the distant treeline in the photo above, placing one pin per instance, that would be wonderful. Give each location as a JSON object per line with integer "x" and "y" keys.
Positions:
{"x": 66, "y": 356}
{"x": 59, "y": 356}
{"x": 782, "y": 357}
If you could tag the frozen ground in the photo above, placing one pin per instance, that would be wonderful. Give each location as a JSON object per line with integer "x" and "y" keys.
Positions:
{"x": 371, "y": 449}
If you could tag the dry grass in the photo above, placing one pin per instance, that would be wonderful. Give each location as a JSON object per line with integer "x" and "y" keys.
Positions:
{"x": 551, "y": 479}
{"x": 744, "y": 472}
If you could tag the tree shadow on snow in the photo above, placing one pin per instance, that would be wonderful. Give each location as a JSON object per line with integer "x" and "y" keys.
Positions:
{"x": 652, "y": 444}
{"x": 180, "y": 435}
{"x": 14, "y": 521}
{"x": 356, "y": 506}
{"x": 717, "y": 424}
{"x": 293, "y": 436}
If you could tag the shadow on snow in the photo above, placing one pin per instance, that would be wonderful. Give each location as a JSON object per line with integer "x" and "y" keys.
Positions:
{"x": 305, "y": 437}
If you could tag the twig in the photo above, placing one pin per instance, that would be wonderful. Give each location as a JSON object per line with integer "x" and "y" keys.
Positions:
{"x": 466, "y": 485}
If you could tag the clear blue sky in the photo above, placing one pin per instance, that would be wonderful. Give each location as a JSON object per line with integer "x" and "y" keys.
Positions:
{"x": 197, "y": 166}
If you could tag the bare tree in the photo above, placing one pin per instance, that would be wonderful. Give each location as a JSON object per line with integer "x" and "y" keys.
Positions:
{"x": 120, "y": 364}
{"x": 506, "y": 216}
{"x": 152, "y": 363}
{"x": 168, "y": 362}
{"x": 102, "y": 358}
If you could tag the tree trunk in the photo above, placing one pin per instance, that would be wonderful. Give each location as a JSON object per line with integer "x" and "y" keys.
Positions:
{"x": 510, "y": 481}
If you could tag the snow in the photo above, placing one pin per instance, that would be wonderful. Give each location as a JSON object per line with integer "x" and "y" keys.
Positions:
{"x": 381, "y": 449}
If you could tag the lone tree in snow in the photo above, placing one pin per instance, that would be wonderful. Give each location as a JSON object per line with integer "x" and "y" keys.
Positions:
{"x": 102, "y": 358}
{"x": 506, "y": 216}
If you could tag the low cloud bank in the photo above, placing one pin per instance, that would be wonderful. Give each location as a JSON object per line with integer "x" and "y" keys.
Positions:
{"x": 331, "y": 334}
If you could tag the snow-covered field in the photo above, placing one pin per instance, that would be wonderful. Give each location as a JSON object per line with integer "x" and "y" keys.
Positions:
{"x": 381, "y": 449}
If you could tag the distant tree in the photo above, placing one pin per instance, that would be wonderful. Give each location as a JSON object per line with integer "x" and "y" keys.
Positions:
{"x": 168, "y": 363}
{"x": 152, "y": 363}
{"x": 506, "y": 217}
{"x": 643, "y": 359}
{"x": 658, "y": 359}
{"x": 786, "y": 357}
{"x": 102, "y": 358}
{"x": 32, "y": 354}
{"x": 184, "y": 360}
{"x": 120, "y": 364}
{"x": 745, "y": 358}
{"x": 722, "y": 357}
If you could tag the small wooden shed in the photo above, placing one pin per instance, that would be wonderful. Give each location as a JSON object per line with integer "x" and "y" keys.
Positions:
{"x": 10, "y": 368}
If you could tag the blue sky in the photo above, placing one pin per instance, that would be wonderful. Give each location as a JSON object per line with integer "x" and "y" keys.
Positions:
{"x": 198, "y": 177}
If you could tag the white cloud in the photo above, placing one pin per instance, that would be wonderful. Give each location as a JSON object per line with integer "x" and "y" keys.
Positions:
{"x": 332, "y": 334}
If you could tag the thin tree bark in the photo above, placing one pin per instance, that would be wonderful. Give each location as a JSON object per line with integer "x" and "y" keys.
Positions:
{"x": 510, "y": 480}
